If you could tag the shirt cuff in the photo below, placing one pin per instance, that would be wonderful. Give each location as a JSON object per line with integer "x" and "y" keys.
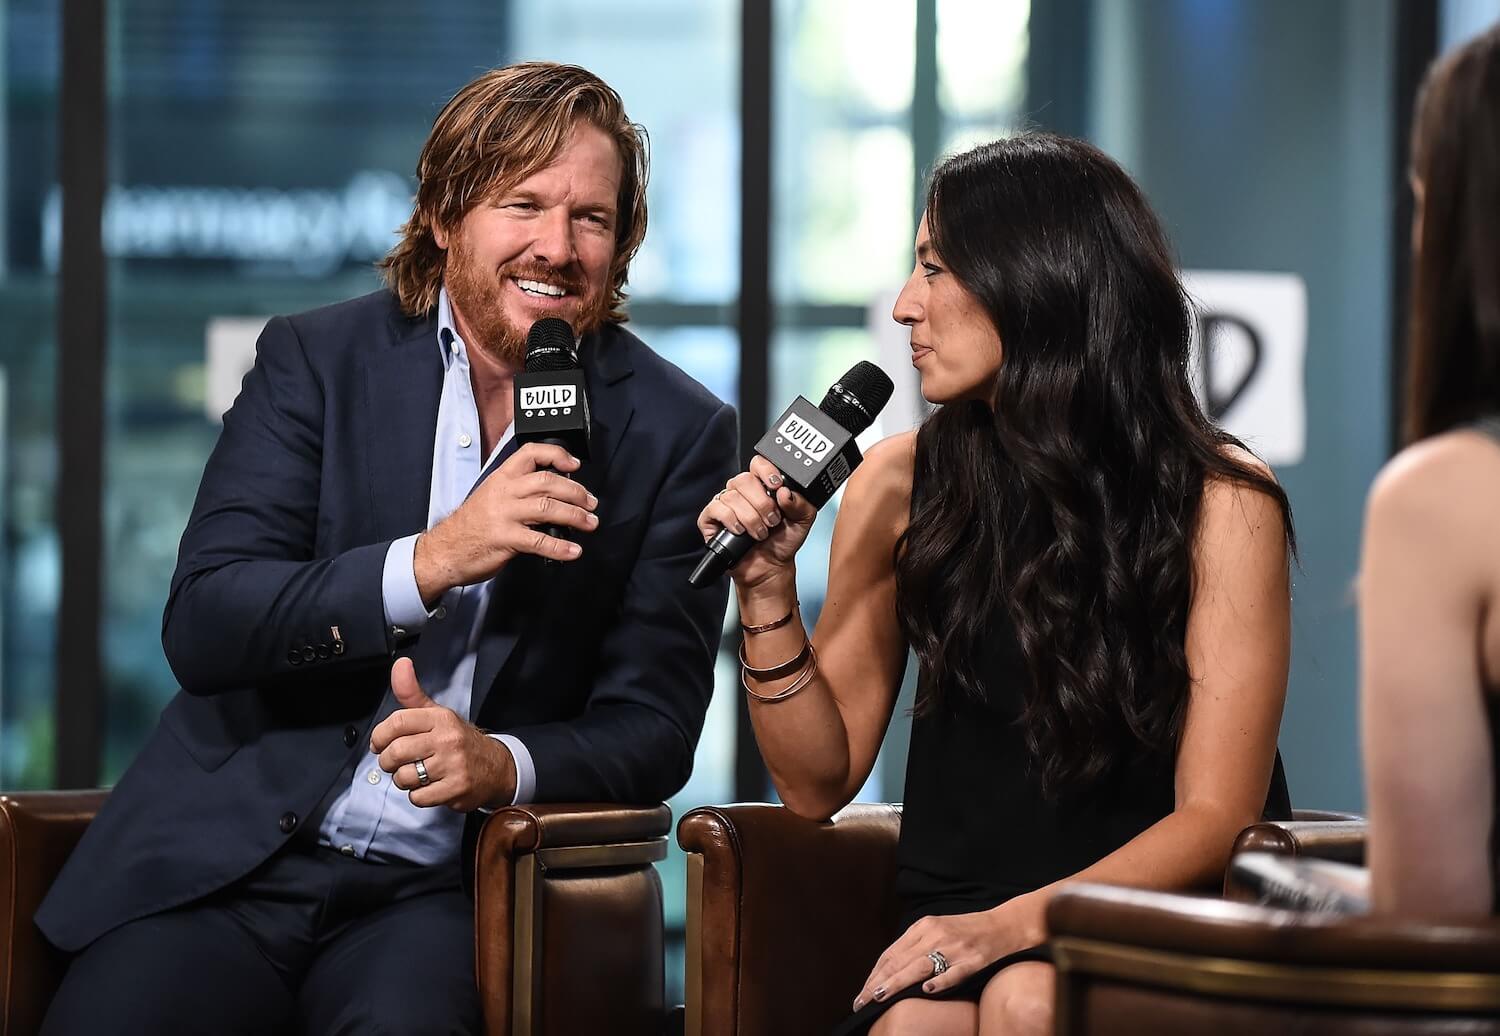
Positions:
{"x": 525, "y": 771}
{"x": 398, "y": 587}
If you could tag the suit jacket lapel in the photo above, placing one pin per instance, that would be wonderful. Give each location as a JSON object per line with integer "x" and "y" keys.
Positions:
{"x": 403, "y": 384}
{"x": 523, "y": 587}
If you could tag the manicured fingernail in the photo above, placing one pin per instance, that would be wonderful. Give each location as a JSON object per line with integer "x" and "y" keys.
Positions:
{"x": 592, "y": 518}
{"x": 574, "y": 550}
{"x": 775, "y": 480}
{"x": 774, "y": 519}
{"x": 928, "y": 987}
{"x": 879, "y": 994}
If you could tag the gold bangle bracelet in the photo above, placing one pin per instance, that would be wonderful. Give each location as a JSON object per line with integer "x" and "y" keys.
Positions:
{"x": 797, "y": 685}
{"x": 776, "y": 672}
{"x": 768, "y": 627}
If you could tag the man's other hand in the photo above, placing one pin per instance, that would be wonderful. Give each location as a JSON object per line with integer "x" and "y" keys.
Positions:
{"x": 466, "y": 769}
{"x": 503, "y": 518}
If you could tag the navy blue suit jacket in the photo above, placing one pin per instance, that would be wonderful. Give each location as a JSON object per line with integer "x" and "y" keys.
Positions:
{"x": 603, "y": 667}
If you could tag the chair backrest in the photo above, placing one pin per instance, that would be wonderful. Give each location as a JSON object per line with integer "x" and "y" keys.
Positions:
{"x": 785, "y": 916}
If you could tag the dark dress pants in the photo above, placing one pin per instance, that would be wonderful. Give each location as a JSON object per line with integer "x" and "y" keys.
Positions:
{"x": 312, "y": 942}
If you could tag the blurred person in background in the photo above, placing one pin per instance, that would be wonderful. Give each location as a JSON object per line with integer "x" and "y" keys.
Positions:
{"x": 370, "y": 647}
{"x": 1429, "y": 581}
{"x": 1094, "y": 579}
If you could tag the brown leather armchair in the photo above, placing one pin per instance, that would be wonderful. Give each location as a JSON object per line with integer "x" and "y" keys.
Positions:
{"x": 38, "y": 830}
{"x": 785, "y": 917}
{"x": 1130, "y": 961}
{"x": 564, "y": 894}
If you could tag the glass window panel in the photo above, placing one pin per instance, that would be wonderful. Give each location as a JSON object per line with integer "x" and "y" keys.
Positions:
{"x": 841, "y": 147}
{"x": 981, "y": 52}
{"x": 648, "y": 50}
{"x": 30, "y": 574}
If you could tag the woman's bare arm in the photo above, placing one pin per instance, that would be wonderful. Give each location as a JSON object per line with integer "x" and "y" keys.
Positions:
{"x": 820, "y": 744}
{"x": 1424, "y": 590}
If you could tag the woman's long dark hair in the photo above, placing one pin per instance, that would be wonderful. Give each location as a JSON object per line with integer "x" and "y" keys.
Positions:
{"x": 1453, "y": 374}
{"x": 1073, "y": 502}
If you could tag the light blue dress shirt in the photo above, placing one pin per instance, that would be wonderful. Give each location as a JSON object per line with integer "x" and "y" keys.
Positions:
{"x": 372, "y": 817}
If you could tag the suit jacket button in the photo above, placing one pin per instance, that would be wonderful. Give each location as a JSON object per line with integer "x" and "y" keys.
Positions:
{"x": 288, "y": 823}
{"x": 294, "y": 657}
{"x": 350, "y": 735}
{"x": 309, "y": 653}
{"x": 322, "y": 650}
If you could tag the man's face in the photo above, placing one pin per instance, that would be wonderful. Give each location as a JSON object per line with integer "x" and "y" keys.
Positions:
{"x": 542, "y": 248}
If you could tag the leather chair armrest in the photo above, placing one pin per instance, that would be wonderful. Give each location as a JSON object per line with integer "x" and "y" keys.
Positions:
{"x": 1107, "y": 939}
{"x": 37, "y": 832}
{"x": 566, "y": 895}
{"x": 518, "y": 830}
{"x": 1340, "y": 840}
{"x": 786, "y": 916}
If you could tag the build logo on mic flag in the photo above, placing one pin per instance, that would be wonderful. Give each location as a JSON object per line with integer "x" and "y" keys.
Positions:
{"x": 556, "y": 399}
{"x": 804, "y": 442}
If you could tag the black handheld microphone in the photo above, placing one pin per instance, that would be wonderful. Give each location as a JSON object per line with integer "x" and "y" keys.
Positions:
{"x": 813, "y": 447}
{"x": 551, "y": 403}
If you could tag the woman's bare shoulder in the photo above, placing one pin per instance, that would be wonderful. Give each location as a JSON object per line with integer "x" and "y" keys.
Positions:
{"x": 879, "y": 491}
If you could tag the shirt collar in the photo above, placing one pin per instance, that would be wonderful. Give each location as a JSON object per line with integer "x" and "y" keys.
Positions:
{"x": 450, "y": 344}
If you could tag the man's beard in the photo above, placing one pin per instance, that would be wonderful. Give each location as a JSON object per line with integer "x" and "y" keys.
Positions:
{"x": 476, "y": 295}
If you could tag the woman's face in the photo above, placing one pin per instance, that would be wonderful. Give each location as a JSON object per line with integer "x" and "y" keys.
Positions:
{"x": 954, "y": 347}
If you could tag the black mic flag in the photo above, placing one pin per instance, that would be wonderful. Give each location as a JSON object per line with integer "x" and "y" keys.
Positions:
{"x": 551, "y": 404}
{"x": 813, "y": 447}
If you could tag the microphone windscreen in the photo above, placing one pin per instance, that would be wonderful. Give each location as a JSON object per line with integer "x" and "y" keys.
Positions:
{"x": 550, "y": 346}
{"x": 855, "y": 399}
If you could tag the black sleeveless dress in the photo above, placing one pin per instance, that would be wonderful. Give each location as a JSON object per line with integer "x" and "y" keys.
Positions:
{"x": 976, "y": 829}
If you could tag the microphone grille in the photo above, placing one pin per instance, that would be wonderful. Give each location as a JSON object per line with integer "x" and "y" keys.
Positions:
{"x": 550, "y": 346}
{"x": 855, "y": 399}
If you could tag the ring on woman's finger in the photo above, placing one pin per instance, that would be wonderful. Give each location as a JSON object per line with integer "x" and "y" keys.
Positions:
{"x": 939, "y": 962}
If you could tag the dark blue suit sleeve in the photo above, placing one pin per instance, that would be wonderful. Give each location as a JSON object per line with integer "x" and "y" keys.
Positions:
{"x": 249, "y": 594}
{"x": 635, "y": 740}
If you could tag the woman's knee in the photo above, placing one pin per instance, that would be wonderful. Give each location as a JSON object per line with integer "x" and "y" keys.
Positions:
{"x": 1019, "y": 1001}
{"x": 927, "y": 1018}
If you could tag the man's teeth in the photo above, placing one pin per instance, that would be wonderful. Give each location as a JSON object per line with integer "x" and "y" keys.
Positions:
{"x": 538, "y": 288}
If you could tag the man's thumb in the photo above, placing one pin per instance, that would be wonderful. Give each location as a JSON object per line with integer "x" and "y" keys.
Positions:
{"x": 409, "y": 693}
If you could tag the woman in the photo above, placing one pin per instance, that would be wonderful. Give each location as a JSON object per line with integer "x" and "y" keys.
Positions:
{"x": 1093, "y": 578}
{"x": 1430, "y": 575}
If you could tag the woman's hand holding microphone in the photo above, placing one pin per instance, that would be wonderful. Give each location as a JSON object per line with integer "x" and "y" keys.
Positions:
{"x": 759, "y": 503}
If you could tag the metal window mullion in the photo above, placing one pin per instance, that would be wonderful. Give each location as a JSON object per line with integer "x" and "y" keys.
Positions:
{"x": 80, "y": 372}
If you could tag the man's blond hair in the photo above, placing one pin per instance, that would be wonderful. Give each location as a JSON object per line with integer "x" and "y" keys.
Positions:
{"x": 499, "y": 129}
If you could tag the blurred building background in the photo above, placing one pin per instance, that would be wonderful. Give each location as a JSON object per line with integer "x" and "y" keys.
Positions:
{"x": 258, "y": 158}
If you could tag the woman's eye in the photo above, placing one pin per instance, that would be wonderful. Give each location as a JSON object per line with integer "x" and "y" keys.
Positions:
{"x": 928, "y": 270}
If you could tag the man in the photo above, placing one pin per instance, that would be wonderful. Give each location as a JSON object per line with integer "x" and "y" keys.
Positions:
{"x": 285, "y": 851}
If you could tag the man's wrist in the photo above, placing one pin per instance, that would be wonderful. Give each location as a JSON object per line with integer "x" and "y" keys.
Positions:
{"x": 503, "y": 782}
{"x": 428, "y": 570}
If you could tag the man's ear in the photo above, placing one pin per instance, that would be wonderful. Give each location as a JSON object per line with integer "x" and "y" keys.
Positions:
{"x": 440, "y": 235}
